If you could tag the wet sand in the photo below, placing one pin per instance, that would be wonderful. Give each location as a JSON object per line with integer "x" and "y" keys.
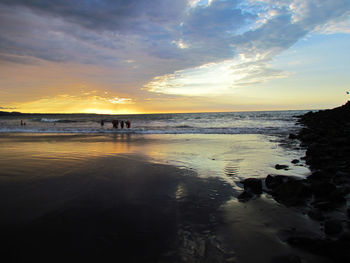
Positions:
{"x": 80, "y": 198}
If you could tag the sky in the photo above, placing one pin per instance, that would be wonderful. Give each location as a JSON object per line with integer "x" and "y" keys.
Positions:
{"x": 153, "y": 56}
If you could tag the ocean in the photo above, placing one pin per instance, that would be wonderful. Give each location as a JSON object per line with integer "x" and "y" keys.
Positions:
{"x": 229, "y": 145}
{"x": 259, "y": 122}
{"x": 165, "y": 190}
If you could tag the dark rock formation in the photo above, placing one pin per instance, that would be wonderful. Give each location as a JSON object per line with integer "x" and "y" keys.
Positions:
{"x": 336, "y": 250}
{"x": 292, "y": 192}
{"x": 292, "y": 136}
{"x": 295, "y": 161}
{"x": 245, "y": 196}
{"x": 274, "y": 181}
{"x": 316, "y": 214}
{"x": 253, "y": 185}
{"x": 333, "y": 227}
{"x": 326, "y": 136}
{"x": 286, "y": 259}
{"x": 281, "y": 166}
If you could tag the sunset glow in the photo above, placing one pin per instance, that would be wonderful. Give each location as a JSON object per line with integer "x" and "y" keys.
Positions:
{"x": 173, "y": 56}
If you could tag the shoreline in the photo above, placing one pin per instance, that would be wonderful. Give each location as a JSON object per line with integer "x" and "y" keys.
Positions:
{"x": 84, "y": 197}
{"x": 149, "y": 212}
{"x": 324, "y": 195}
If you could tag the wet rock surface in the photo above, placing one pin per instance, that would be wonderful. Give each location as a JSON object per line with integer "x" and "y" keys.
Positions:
{"x": 281, "y": 166}
{"x": 253, "y": 185}
{"x": 252, "y": 188}
{"x": 323, "y": 195}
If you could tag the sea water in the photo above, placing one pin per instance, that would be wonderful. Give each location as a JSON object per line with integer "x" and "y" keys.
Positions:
{"x": 57, "y": 159}
{"x": 230, "y": 145}
{"x": 259, "y": 122}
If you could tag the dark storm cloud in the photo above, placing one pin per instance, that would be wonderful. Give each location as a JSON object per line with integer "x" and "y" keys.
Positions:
{"x": 107, "y": 14}
{"x": 55, "y": 27}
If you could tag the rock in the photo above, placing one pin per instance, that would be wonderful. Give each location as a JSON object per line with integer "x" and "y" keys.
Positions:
{"x": 337, "y": 197}
{"x": 281, "y": 166}
{"x": 273, "y": 181}
{"x": 295, "y": 161}
{"x": 323, "y": 189}
{"x": 348, "y": 212}
{"x": 291, "y": 193}
{"x": 333, "y": 227}
{"x": 336, "y": 250}
{"x": 292, "y": 136}
{"x": 253, "y": 185}
{"x": 345, "y": 237}
{"x": 325, "y": 205}
{"x": 313, "y": 245}
{"x": 201, "y": 248}
{"x": 286, "y": 259}
{"x": 316, "y": 214}
{"x": 245, "y": 196}
{"x": 319, "y": 176}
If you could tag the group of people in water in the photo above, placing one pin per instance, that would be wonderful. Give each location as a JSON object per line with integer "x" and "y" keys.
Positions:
{"x": 116, "y": 124}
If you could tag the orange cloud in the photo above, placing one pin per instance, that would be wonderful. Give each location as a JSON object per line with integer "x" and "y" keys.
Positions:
{"x": 85, "y": 103}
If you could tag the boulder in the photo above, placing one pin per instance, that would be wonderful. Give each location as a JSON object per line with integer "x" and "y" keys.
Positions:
{"x": 253, "y": 185}
{"x": 325, "y": 205}
{"x": 292, "y": 136}
{"x": 316, "y": 214}
{"x": 273, "y": 181}
{"x": 323, "y": 189}
{"x": 333, "y": 227}
{"x": 295, "y": 161}
{"x": 292, "y": 193}
{"x": 319, "y": 176}
{"x": 245, "y": 196}
{"x": 313, "y": 245}
{"x": 281, "y": 166}
{"x": 286, "y": 259}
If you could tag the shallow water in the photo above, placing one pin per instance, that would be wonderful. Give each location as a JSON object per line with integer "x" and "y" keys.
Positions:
{"x": 260, "y": 122}
{"x": 97, "y": 178}
{"x": 230, "y": 157}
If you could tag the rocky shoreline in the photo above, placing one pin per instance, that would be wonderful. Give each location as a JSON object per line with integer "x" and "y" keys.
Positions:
{"x": 323, "y": 196}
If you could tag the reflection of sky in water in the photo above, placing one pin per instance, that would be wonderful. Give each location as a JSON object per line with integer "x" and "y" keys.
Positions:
{"x": 230, "y": 157}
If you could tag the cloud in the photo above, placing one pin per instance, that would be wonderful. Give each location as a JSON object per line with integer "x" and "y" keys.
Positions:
{"x": 7, "y": 108}
{"x": 114, "y": 15}
{"x": 279, "y": 25}
{"x": 164, "y": 37}
{"x": 336, "y": 26}
{"x": 89, "y": 102}
{"x": 215, "y": 78}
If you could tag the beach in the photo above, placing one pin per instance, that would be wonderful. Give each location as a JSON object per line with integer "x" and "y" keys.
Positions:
{"x": 146, "y": 198}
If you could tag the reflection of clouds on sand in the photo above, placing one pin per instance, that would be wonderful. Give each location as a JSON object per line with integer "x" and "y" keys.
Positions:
{"x": 111, "y": 196}
{"x": 112, "y": 207}
{"x": 230, "y": 157}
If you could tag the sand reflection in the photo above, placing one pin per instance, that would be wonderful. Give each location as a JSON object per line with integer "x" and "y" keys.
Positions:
{"x": 231, "y": 157}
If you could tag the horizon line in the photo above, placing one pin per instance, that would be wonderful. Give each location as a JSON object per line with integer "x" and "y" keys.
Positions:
{"x": 87, "y": 113}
